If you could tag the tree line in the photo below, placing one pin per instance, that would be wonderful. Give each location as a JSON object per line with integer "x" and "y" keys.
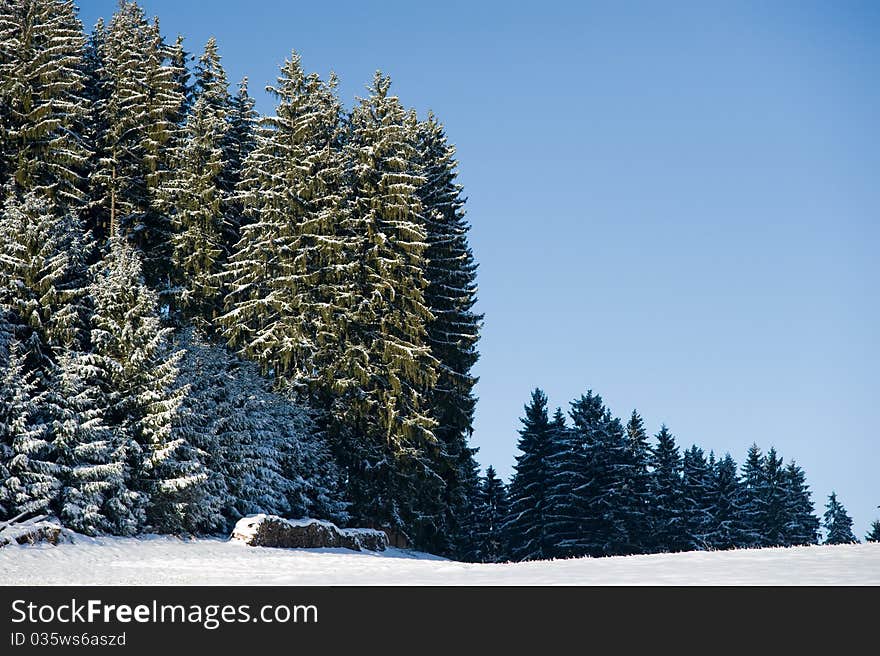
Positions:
{"x": 205, "y": 311}
{"x": 597, "y": 487}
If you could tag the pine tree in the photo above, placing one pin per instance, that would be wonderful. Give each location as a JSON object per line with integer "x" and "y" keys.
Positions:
{"x": 384, "y": 371}
{"x": 696, "y": 498}
{"x": 838, "y": 524}
{"x": 874, "y": 534}
{"x": 526, "y": 525}
{"x": 493, "y": 512}
{"x": 666, "y": 492}
{"x": 43, "y": 278}
{"x": 164, "y": 472}
{"x": 802, "y": 525}
{"x": 773, "y": 492}
{"x": 453, "y": 332}
{"x": 241, "y": 140}
{"x": 638, "y": 511}
{"x": 563, "y": 517}
{"x": 196, "y": 196}
{"x": 84, "y": 443}
{"x": 42, "y": 94}
{"x": 726, "y": 530}
{"x": 138, "y": 104}
{"x": 29, "y": 481}
{"x": 753, "y": 506}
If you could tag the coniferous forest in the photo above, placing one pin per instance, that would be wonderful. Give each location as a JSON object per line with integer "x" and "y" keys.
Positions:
{"x": 207, "y": 313}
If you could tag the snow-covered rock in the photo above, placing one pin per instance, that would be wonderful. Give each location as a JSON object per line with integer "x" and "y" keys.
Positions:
{"x": 273, "y": 531}
{"x": 34, "y": 531}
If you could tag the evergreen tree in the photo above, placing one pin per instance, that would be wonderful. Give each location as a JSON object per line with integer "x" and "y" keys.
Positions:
{"x": 874, "y": 534}
{"x": 666, "y": 492}
{"x": 494, "y": 511}
{"x": 138, "y": 105}
{"x": 753, "y": 506}
{"x": 838, "y": 524}
{"x": 196, "y": 196}
{"x": 726, "y": 529}
{"x": 84, "y": 443}
{"x": 453, "y": 332}
{"x": 526, "y": 525}
{"x": 241, "y": 140}
{"x": 43, "y": 278}
{"x": 164, "y": 472}
{"x": 42, "y": 95}
{"x": 774, "y": 495}
{"x": 563, "y": 517}
{"x": 697, "y": 500}
{"x": 29, "y": 481}
{"x": 637, "y": 458}
{"x": 802, "y": 525}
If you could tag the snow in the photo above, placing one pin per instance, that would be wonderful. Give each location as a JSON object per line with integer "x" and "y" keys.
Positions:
{"x": 164, "y": 560}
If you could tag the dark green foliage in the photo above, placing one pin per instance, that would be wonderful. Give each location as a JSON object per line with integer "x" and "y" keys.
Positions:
{"x": 874, "y": 534}
{"x": 492, "y": 511}
{"x": 697, "y": 508}
{"x": 666, "y": 492}
{"x": 526, "y": 526}
{"x": 838, "y": 524}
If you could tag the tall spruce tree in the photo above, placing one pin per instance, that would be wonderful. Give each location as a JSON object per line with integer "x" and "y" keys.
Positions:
{"x": 566, "y": 466}
{"x": 666, "y": 492}
{"x": 638, "y": 510}
{"x": 838, "y": 523}
{"x": 165, "y": 475}
{"x": 802, "y": 525}
{"x": 43, "y": 100}
{"x": 753, "y": 506}
{"x": 43, "y": 280}
{"x": 453, "y": 331}
{"x": 874, "y": 534}
{"x": 697, "y": 506}
{"x": 774, "y": 495}
{"x": 89, "y": 468}
{"x": 30, "y": 480}
{"x": 196, "y": 197}
{"x": 526, "y": 525}
{"x": 493, "y": 511}
{"x": 726, "y": 529}
{"x": 138, "y": 104}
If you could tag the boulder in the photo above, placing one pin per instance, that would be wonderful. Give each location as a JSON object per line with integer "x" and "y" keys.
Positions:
{"x": 273, "y": 531}
{"x": 33, "y": 532}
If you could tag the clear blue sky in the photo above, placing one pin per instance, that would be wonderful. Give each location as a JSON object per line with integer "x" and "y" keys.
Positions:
{"x": 674, "y": 204}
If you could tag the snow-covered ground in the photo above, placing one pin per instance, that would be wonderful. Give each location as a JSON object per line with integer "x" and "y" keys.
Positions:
{"x": 165, "y": 560}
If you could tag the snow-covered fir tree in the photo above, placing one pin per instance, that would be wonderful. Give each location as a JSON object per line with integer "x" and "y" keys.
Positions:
{"x": 383, "y": 374}
{"x": 638, "y": 511}
{"x": 874, "y": 534}
{"x": 697, "y": 504}
{"x": 164, "y": 470}
{"x": 726, "y": 530}
{"x": 90, "y": 470}
{"x": 493, "y": 511}
{"x": 566, "y": 460}
{"x": 526, "y": 525}
{"x": 137, "y": 105}
{"x": 753, "y": 500}
{"x": 838, "y": 523}
{"x": 772, "y": 490}
{"x": 43, "y": 280}
{"x": 288, "y": 278}
{"x": 666, "y": 491}
{"x": 241, "y": 139}
{"x": 801, "y": 523}
{"x": 29, "y": 481}
{"x": 454, "y": 329}
{"x": 42, "y": 96}
{"x": 196, "y": 194}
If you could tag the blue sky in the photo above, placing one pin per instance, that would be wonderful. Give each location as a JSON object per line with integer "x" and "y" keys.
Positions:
{"x": 673, "y": 204}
